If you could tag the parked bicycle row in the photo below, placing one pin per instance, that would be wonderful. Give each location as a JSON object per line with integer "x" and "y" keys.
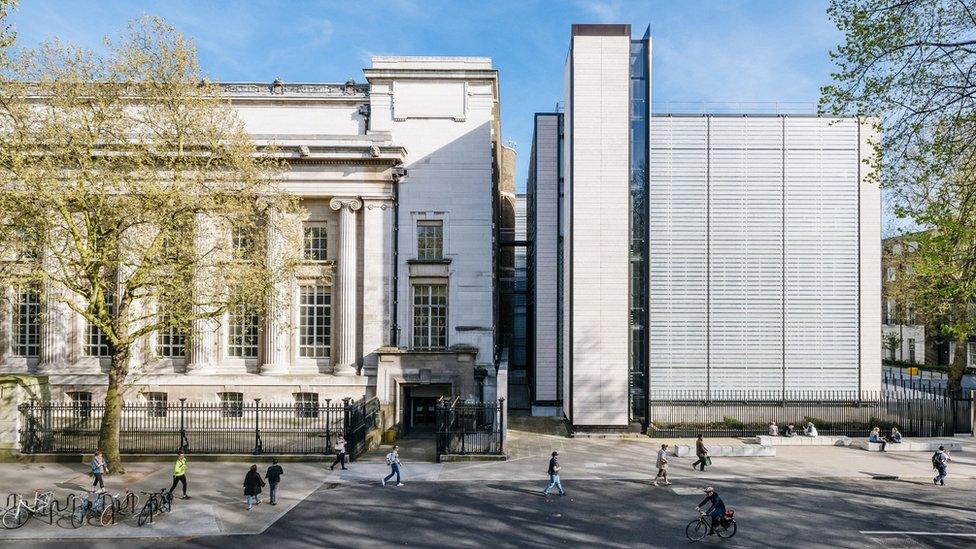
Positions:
{"x": 92, "y": 507}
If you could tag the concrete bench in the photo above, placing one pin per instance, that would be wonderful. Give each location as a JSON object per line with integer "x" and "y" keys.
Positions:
{"x": 799, "y": 440}
{"x": 727, "y": 450}
{"x": 912, "y": 446}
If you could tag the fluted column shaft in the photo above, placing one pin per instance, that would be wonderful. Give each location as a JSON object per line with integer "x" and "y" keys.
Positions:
{"x": 54, "y": 331}
{"x": 275, "y": 349}
{"x": 345, "y": 355}
{"x": 202, "y": 355}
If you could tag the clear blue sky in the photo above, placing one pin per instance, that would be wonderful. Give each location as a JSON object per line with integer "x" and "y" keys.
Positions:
{"x": 758, "y": 50}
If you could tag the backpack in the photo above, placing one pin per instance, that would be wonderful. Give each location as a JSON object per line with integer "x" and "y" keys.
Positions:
{"x": 936, "y": 460}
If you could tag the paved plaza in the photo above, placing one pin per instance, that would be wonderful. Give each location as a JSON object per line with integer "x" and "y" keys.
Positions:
{"x": 843, "y": 497}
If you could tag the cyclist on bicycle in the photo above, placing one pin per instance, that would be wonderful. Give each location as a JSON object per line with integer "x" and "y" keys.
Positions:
{"x": 717, "y": 509}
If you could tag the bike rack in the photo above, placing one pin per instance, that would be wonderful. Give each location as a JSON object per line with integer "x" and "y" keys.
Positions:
{"x": 15, "y": 497}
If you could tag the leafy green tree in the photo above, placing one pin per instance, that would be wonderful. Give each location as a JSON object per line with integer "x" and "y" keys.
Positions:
{"x": 131, "y": 194}
{"x": 913, "y": 64}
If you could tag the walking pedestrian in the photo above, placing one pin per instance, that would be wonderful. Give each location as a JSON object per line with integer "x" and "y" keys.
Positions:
{"x": 340, "y": 453}
{"x": 252, "y": 487}
{"x": 274, "y": 477}
{"x": 393, "y": 460}
{"x": 662, "y": 465}
{"x": 940, "y": 462}
{"x": 702, "y": 453}
{"x": 179, "y": 475}
{"x": 98, "y": 466}
{"x": 554, "y": 476}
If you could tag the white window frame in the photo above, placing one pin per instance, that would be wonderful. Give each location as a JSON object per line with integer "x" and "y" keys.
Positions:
{"x": 423, "y": 296}
{"x": 911, "y": 349}
{"x": 156, "y": 403}
{"x": 315, "y": 247}
{"x": 243, "y": 332}
{"x": 231, "y": 404}
{"x": 170, "y": 342}
{"x": 81, "y": 403}
{"x": 97, "y": 344}
{"x": 25, "y": 323}
{"x": 430, "y": 239}
{"x": 306, "y": 404}
{"x": 314, "y": 338}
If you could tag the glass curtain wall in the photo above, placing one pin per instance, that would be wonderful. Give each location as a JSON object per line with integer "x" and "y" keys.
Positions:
{"x": 639, "y": 128}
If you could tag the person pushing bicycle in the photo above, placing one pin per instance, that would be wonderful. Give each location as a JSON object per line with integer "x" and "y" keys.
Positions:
{"x": 717, "y": 507}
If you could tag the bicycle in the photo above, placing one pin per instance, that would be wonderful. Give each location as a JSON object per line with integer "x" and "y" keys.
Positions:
{"x": 21, "y": 512}
{"x": 156, "y": 502}
{"x": 700, "y": 527}
{"x": 93, "y": 504}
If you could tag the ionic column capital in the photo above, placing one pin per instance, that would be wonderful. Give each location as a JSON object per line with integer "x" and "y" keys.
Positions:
{"x": 353, "y": 204}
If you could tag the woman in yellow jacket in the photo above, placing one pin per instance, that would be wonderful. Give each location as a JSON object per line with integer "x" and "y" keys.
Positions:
{"x": 179, "y": 475}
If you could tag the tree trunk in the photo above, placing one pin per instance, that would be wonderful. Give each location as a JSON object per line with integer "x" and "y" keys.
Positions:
{"x": 108, "y": 434}
{"x": 958, "y": 367}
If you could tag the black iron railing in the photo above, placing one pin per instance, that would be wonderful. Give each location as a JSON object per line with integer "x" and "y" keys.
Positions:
{"x": 748, "y": 413}
{"x": 470, "y": 427}
{"x": 201, "y": 428}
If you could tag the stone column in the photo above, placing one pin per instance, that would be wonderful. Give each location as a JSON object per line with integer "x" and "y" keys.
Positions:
{"x": 202, "y": 351}
{"x": 344, "y": 362}
{"x": 275, "y": 349}
{"x": 54, "y": 332}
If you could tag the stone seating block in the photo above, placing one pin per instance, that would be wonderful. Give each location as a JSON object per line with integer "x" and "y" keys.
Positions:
{"x": 912, "y": 446}
{"x": 766, "y": 440}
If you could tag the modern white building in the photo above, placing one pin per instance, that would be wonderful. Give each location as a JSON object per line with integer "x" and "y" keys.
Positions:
{"x": 689, "y": 256}
{"x": 396, "y": 295}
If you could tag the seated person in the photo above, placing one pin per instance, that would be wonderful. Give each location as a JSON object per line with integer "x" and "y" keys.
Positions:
{"x": 810, "y": 431}
{"x": 875, "y": 437}
{"x": 773, "y": 429}
{"x": 895, "y": 437}
{"x": 789, "y": 431}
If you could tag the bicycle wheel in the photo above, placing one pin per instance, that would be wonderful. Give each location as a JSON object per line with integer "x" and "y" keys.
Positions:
{"x": 166, "y": 504}
{"x": 696, "y": 530}
{"x": 108, "y": 514}
{"x": 128, "y": 505}
{"x": 146, "y": 513}
{"x": 73, "y": 518}
{"x": 726, "y": 530}
{"x": 15, "y": 518}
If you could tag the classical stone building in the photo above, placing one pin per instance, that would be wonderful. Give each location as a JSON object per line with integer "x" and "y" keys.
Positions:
{"x": 396, "y": 293}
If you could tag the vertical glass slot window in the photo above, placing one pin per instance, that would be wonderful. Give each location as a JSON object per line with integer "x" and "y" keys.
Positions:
{"x": 430, "y": 240}
{"x": 316, "y": 242}
{"x": 430, "y": 316}
{"x": 315, "y": 321}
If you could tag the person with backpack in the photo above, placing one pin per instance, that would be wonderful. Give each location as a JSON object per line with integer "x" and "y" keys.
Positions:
{"x": 393, "y": 460}
{"x": 940, "y": 462}
{"x": 553, "y": 473}
{"x": 662, "y": 465}
{"x": 252, "y": 486}
{"x": 274, "y": 477}
{"x": 98, "y": 467}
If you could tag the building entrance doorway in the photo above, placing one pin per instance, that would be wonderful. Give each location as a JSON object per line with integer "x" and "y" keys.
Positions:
{"x": 421, "y": 404}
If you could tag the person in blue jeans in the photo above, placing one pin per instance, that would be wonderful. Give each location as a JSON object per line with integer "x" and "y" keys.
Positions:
{"x": 717, "y": 507}
{"x": 554, "y": 476}
{"x": 393, "y": 460}
{"x": 274, "y": 477}
{"x": 940, "y": 461}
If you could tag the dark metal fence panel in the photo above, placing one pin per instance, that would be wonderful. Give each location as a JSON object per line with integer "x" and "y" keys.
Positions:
{"x": 200, "y": 428}
{"x": 748, "y": 413}
{"x": 361, "y": 417}
{"x": 470, "y": 427}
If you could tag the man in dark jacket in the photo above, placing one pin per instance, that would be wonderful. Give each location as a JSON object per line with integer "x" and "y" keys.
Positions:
{"x": 274, "y": 477}
{"x": 716, "y": 509}
{"x": 252, "y": 486}
{"x": 553, "y": 472}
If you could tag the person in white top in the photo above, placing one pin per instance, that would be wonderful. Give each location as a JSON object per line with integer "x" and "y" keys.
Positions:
{"x": 662, "y": 465}
{"x": 340, "y": 452}
{"x": 393, "y": 460}
{"x": 773, "y": 429}
{"x": 810, "y": 431}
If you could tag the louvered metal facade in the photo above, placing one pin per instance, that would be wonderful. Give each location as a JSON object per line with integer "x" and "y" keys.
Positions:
{"x": 754, "y": 254}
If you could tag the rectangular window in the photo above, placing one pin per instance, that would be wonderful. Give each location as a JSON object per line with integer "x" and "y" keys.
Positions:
{"x": 27, "y": 323}
{"x": 231, "y": 404}
{"x": 889, "y": 315}
{"x": 315, "y": 321}
{"x": 81, "y": 403}
{"x": 241, "y": 241}
{"x": 911, "y": 350}
{"x": 96, "y": 342}
{"x": 430, "y": 316}
{"x": 890, "y": 274}
{"x": 430, "y": 240}
{"x": 971, "y": 358}
{"x": 891, "y": 352}
{"x": 242, "y": 331}
{"x": 316, "y": 242}
{"x": 156, "y": 404}
{"x": 170, "y": 341}
{"x": 909, "y": 314}
{"x": 306, "y": 405}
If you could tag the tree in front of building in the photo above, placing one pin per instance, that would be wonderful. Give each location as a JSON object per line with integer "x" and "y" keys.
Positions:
{"x": 131, "y": 194}
{"x": 891, "y": 343}
{"x": 911, "y": 63}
